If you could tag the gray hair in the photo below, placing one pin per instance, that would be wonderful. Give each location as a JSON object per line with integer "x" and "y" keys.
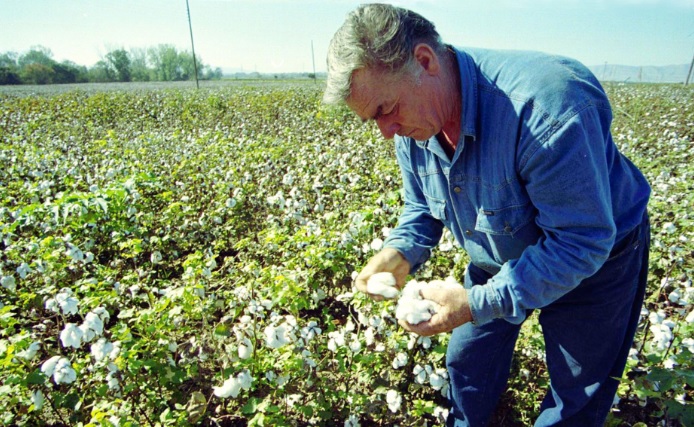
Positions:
{"x": 376, "y": 36}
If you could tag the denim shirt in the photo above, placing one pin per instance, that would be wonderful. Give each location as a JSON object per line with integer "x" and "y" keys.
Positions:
{"x": 537, "y": 193}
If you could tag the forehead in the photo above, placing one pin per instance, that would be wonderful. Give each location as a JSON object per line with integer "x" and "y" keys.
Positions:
{"x": 369, "y": 90}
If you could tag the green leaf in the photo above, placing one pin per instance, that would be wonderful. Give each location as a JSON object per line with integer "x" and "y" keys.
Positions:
{"x": 35, "y": 377}
{"x": 251, "y": 406}
{"x": 222, "y": 330}
{"x": 196, "y": 408}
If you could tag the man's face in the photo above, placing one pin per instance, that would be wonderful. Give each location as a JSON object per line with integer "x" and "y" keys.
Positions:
{"x": 399, "y": 106}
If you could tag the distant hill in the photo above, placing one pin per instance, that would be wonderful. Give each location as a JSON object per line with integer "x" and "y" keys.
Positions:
{"x": 646, "y": 74}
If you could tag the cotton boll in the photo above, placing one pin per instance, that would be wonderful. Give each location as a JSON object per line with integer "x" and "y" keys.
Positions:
{"x": 382, "y": 284}
{"x": 415, "y": 311}
{"x": 394, "y": 400}
{"x": 412, "y": 308}
{"x": 245, "y": 349}
{"x": 230, "y": 388}
{"x": 71, "y": 336}
{"x": 48, "y": 367}
{"x": 64, "y": 374}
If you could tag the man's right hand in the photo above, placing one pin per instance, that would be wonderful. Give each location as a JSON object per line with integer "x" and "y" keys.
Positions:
{"x": 387, "y": 260}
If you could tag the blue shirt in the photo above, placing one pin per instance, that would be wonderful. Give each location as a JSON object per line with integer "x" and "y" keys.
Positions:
{"x": 536, "y": 192}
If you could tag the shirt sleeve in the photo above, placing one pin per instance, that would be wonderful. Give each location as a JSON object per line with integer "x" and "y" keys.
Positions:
{"x": 417, "y": 230}
{"x": 567, "y": 179}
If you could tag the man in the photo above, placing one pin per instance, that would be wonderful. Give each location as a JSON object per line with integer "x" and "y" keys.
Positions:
{"x": 512, "y": 152}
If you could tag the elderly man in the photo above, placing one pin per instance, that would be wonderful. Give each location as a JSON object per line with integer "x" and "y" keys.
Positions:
{"x": 512, "y": 152}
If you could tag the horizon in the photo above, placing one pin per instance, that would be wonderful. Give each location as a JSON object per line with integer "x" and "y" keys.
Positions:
{"x": 282, "y": 36}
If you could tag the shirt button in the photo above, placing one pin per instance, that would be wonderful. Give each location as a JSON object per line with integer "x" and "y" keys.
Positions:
{"x": 468, "y": 232}
{"x": 508, "y": 229}
{"x": 457, "y": 189}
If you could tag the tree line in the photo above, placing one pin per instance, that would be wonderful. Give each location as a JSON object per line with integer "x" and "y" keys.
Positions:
{"x": 160, "y": 63}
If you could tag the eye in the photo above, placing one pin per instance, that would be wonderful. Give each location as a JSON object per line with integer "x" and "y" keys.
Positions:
{"x": 384, "y": 111}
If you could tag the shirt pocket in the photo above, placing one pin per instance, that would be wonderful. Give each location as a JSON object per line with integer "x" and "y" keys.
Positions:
{"x": 508, "y": 230}
{"x": 437, "y": 207}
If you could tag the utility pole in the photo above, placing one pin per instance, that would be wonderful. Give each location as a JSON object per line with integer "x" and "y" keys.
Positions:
{"x": 313, "y": 59}
{"x": 195, "y": 62}
{"x": 689, "y": 73}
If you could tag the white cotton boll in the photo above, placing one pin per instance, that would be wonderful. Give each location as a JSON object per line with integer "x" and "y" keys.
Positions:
{"x": 369, "y": 336}
{"x": 230, "y": 388}
{"x": 394, "y": 400}
{"x": 400, "y": 360}
{"x": 155, "y": 257}
{"x": 245, "y": 349}
{"x": 690, "y": 317}
{"x": 674, "y": 296}
{"x": 71, "y": 336}
{"x": 48, "y": 367}
{"x": 23, "y": 270}
{"x": 9, "y": 283}
{"x": 438, "y": 379}
{"x": 93, "y": 322}
{"x": 64, "y": 374}
{"x": 30, "y": 352}
{"x": 377, "y": 244}
{"x": 101, "y": 349}
{"x": 355, "y": 344}
{"x": 382, "y": 284}
{"x": 420, "y": 374}
{"x": 416, "y": 311}
{"x": 352, "y": 421}
{"x": 37, "y": 400}
{"x": 440, "y": 413}
{"x": 116, "y": 350}
{"x": 278, "y": 336}
{"x": 688, "y": 343}
{"x": 245, "y": 379}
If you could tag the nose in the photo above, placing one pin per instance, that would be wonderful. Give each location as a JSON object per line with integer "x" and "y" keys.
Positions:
{"x": 388, "y": 127}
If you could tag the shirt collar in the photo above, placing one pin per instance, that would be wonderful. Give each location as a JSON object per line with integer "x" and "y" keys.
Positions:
{"x": 468, "y": 93}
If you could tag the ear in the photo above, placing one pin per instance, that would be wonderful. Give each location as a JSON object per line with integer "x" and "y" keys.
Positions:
{"x": 427, "y": 58}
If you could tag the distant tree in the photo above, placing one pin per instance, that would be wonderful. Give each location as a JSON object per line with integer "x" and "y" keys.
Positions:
{"x": 69, "y": 72}
{"x": 9, "y": 76}
{"x": 101, "y": 72}
{"x": 210, "y": 74}
{"x": 164, "y": 59}
{"x": 185, "y": 59}
{"x": 9, "y": 71}
{"x": 37, "y": 74}
{"x": 119, "y": 61}
{"x": 138, "y": 65}
{"x": 8, "y": 60}
{"x": 36, "y": 55}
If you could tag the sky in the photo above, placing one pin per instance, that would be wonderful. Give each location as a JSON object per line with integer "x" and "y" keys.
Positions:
{"x": 274, "y": 36}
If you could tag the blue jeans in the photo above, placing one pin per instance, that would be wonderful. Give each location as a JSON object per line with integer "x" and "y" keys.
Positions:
{"x": 588, "y": 333}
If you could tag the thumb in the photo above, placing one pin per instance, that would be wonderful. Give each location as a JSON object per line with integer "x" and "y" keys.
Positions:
{"x": 433, "y": 293}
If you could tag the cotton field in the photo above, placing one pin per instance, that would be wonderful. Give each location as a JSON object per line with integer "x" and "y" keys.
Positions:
{"x": 173, "y": 257}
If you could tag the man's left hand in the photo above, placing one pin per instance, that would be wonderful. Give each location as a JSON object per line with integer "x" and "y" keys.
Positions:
{"x": 454, "y": 311}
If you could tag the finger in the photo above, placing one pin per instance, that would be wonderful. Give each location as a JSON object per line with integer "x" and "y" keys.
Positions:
{"x": 423, "y": 329}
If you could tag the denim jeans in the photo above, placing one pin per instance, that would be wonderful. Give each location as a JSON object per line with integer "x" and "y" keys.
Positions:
{"x": 588, "y": 333}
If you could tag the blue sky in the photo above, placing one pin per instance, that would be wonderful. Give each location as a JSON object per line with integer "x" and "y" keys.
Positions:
{"x": 276, "y": 35}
